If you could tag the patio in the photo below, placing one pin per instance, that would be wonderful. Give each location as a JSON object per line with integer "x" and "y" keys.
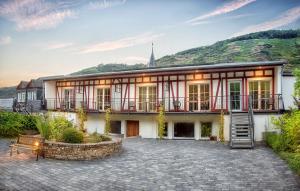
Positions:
{"x": 148, "y": 164}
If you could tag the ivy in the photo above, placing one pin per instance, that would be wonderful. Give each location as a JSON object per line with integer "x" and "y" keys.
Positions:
{"x": 161, "y": 122}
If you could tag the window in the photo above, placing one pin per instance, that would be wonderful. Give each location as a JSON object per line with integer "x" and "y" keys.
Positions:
{"x": 199, "y": 97}
{"x": 261, "y": 94}
{"x": 115, "y": 127}
{"x": 103, "y": 98}
{"x": 31, "y": 95}
{"x": 21, "y": 97}
{"x": 206, "y": 129}
{"x": 69, "y": 99}
{"x": 147, "y": 98}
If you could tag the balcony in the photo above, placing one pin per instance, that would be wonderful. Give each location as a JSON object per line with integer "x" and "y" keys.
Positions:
{"x": 208, "y": 104}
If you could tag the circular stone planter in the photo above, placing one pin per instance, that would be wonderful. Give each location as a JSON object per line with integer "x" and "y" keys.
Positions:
{"x": 84, "y": 151}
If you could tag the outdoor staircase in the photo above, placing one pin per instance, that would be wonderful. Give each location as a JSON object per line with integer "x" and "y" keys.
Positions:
{"x": 242, "y": 129}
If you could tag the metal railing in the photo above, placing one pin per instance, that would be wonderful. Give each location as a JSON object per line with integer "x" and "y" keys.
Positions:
{"x": 177, "y": 104}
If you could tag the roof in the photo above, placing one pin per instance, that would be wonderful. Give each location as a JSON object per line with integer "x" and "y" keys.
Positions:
{"x": 35, "y": 83}
{"x": 22, "y": 85}
{"x": 172, "y": 69}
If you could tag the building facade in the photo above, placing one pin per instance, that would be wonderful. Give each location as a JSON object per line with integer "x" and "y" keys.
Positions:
{"x": 29, "y": 96}
{"x": 192, "y": 97}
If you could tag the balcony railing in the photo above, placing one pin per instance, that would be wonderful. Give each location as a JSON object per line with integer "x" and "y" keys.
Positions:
{"x": 180, "y": 104}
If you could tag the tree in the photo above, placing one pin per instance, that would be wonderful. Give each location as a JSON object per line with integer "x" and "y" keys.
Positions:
{"x": 107, "y": 128}
{"x": 297, "y": 84}
{"x": 221, "y": 129}
{"x": 161, "y": 122}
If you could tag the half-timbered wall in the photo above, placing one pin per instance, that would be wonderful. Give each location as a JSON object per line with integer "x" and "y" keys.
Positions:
{"x": 172, "y": 90}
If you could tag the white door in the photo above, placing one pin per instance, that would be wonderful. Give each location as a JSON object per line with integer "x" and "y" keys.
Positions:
{"x": 235, "y": 95}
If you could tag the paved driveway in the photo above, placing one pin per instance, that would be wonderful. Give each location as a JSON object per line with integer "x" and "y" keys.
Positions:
{"x": 152, "y": 165}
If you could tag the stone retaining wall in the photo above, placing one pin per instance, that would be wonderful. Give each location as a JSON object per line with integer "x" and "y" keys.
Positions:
{"x": 86, "y": 151}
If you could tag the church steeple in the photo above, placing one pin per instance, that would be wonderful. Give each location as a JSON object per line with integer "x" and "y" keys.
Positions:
{"x": 152, "y": 59}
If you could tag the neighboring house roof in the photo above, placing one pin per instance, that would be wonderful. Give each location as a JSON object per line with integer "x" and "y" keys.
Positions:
{"x": 22, "y": 85}
{"x": 172, "y": 69}
{"x": 35, "y": 83}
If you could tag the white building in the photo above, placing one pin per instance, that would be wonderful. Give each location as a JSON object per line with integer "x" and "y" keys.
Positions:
{"x": 192, "y": 96}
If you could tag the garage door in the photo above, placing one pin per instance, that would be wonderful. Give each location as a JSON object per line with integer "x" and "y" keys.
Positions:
{"x": 184, "y": 130}
{"x": 132, "y": 128}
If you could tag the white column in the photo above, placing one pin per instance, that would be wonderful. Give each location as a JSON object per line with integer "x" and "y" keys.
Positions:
{"x": 278, "y": 78}
{"x": 170, "y": 129}
{"x": 197, "y": 130}
{"x": 123, "y": 128}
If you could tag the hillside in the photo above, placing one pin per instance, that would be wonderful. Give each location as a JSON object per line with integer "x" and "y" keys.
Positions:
{"x": 7, "y": 92}
{"x": 260, "y": 46}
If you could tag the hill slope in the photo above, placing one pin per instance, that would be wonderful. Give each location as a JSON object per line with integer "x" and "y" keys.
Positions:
{"x": 260, "y": 46}
{"x": 7, "y": 92}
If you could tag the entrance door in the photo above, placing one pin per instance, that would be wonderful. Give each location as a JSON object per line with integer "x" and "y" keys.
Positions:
{"x": 132, "y": 128}
{"x": 235, "y": 95}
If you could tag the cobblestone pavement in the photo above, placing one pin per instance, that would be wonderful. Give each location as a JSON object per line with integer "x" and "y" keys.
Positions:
{"x": 152, "y": 165}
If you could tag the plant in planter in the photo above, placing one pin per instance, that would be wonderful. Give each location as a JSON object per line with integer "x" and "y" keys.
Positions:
{"x": 72, "y": 135}
{"x": 57, "y": 126}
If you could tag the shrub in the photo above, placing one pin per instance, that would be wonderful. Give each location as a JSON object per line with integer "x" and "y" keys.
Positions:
{"x": 29, "y": 122}
{"x": 289, "y": 125}
{"x": 105, "y": 138}
{"x": 10, "y": 124}
{"x": 82, "y": 117}
{"x": 44, "y": 127}
{"x": 57, "y": 126}
{"x": 71, "y": 135}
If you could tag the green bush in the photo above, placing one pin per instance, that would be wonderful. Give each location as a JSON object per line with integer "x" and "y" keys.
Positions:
{"x": 57, "y": 126}
{"x": 275, "y": 141}
{"x": 29, "y": 122}
{"x": 71, "y": 135}
{"x": 10, "y": 124}
{"x": 289, "y": 125}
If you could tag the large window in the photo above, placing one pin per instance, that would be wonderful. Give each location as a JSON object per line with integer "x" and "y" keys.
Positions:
{"x": 103, "y": 98}
{"x": 261, "y": 94}
{"x": 199, "y": 97}
{"x": 147, "y": 98}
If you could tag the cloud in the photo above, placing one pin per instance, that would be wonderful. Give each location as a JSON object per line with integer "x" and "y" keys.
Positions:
{"x": 287, "y": 17}
{"x": 34, "y": 14}
{"x": 46, "y": 14}
{"x": 5, "y": 40}
{"x": 121, "y": 43}
{"x": 54, "y": 46}
{"x": 103, "y": 4}
{"x": 221, "y": 19}
{"x": 226, "y": 8}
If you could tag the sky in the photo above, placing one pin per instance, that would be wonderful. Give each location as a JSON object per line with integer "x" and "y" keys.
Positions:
{"x": 54, "y": 37}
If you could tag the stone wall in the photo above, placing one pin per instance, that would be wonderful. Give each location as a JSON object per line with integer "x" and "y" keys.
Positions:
{"x": 87, "y": 151}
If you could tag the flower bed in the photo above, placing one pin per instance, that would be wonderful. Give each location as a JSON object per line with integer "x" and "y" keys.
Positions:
{"x": 86, "y": 151}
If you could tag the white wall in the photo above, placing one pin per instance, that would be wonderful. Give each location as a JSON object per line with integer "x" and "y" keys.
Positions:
{"x": 50, "y": 93}
{"x": 288, "y": 90}
{"x": 94, "y": 123}
{"x": 148, "y": 129}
